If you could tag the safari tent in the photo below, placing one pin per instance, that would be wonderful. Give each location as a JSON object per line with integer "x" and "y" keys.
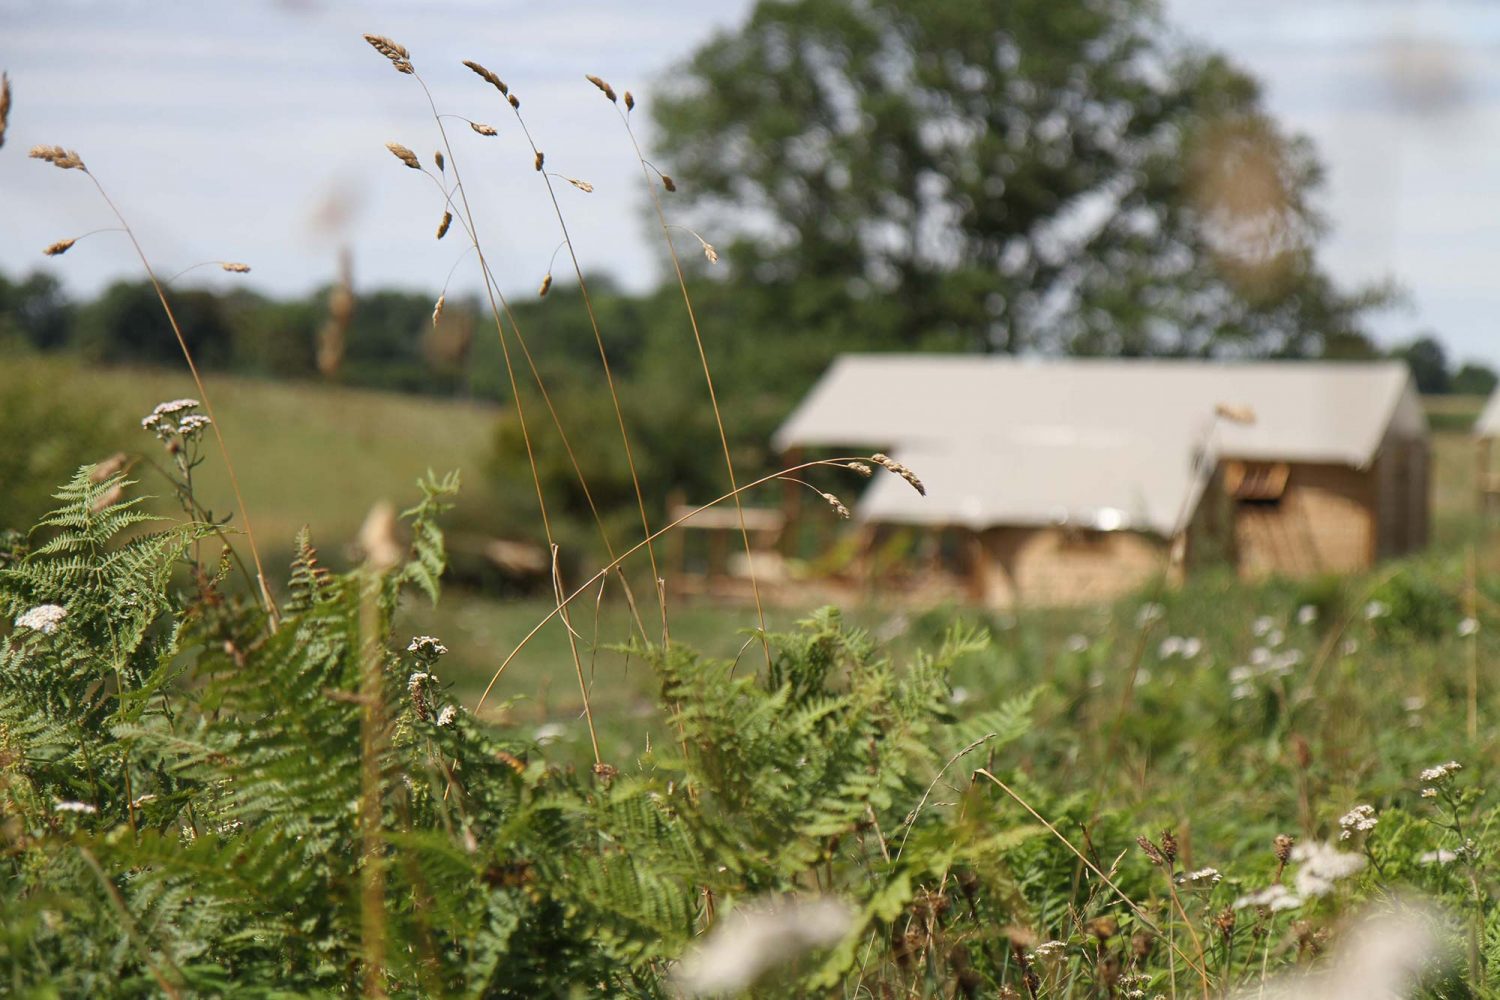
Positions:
{"x": 1067, "y": 481}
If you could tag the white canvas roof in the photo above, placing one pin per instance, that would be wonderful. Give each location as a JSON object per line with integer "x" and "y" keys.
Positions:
{"x": 1106, "y": 444}
{"x": 1488, "y": 424}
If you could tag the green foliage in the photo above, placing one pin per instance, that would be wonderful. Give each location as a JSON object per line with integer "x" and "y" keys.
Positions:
{"x": 909, "y": 166}
{"x": 49, "y": 431}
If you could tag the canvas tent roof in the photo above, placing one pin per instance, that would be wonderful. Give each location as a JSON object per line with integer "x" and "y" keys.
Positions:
{"x": 1488, "y": 424}
{"x": 1096, "y": 443}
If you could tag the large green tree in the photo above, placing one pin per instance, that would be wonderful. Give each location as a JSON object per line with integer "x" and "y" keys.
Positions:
{"x": 1027, "y": 174}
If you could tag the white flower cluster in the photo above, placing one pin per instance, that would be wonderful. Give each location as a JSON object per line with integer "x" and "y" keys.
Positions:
{"x": 1321, "y": 865}
{"x": 1468, "y": 627}
{"x": 1376, "y": 609}
{"x": 1077, "y": 643}
{"x": 447, "y": 715}
{"x": 1202, "y": 877}
{"x": 1185, "y": 647}
{"x": 426, "y": 645}
{"x": 165, "y": 423}
{"x": 1263, "y": 663}
{"x": 1432, "y": 777}
{"x": 1273, "y": 897}
{"x": 1360, "y": 819}
{"x": 1048, "y": 949}
{"x": 1307, "y": 614}
{"x": 44, "y": 618}
{"x": 1149, "y": 614}
{"x": 74, "y": 807}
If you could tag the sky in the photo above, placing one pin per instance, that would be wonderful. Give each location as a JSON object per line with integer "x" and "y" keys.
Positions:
{"x": 255, "y": 131}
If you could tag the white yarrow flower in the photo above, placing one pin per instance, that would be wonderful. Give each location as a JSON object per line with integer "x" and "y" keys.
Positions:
{"x": 74, "y": 807}
{"x": 426, "y": 645}
{"x": 447, "y": 715}
{"x": 1376, "y": 609}
{"x": 1360, "y": 819}
{"x": 1321, "y": 865}
{"x": 44, "y": 618}
{"x": 758, "y": 938}
{"x": 1468, "y": 627}
{"x": 1307, "y": 614}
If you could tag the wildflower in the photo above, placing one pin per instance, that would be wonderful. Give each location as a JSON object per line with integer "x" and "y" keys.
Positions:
{"x": 1438, "y": 775}
{"x": 1321, "y": 865}
{"x": 755, "y": 939}
{"x": 1360, "y": 819}
{"x": 44, "y": 618}
{"x": 1429, "y": 793}
{"x": 192, "y": 424}
{"x": 1438, "y": 857}
{"x": 958, "y": 696}
{"x": 447, "y": 715}
{"x": 549, "y": 732}
{"x": 1275, "y": 637}
{"x": 74, "y": 807}
{"x": 1203, "y": 876}
{"x": 1348, "y": 647}
{"x": 1262, "y": 626}
{"x": 1049, "y": 949}
{"x": 1415, "y": 703}
{"x": 1077, "y": 643}
{"x": 1149, "y": 614}
{"x": 1468, "y": 627}
{"x": 1275, "y": 898}
{"x": 1191, "y": 647}
{"x": 426, "y": 645}
{"x": 416, "y": 687}
{"x": 1170, "y": 646}
{"x": 1376, "y": 609}
{"x": 1307, "y": 614}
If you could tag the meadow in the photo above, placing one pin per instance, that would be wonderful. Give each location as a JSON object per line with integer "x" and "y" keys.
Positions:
{"x": 218, "y": 779}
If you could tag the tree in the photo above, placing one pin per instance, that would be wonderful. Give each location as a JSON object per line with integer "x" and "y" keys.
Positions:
{"x": 1428, "y": 363}
{"x": 1475, "y": 379}
{"x": 1051, "y": 174}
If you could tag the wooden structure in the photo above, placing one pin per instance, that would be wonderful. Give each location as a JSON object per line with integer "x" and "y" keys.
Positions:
{"x": 1077, "y": 481}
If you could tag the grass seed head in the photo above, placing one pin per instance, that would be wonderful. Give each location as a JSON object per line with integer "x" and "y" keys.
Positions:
{"x": 861, "y": 468}
{"x": 893, "y": 466}
{"x": 397, "y": 54}
{"x": 234, "y": 267}
{"x": 1283, "y": 846}
{"x": 515, "y": 101}
{"x": 583, "y": 186}
{"x": 405, "y": 155}
{"x": 541, "y": 158}
{"x": 1153, "y": 854}
{"x": 437, "y": 158}
{"x": 4, "y": 105}
{"x": 59, "y": 248}
{"x": 546, "y": 285}
{"x": 1169, "y": 846}
{"x": 668, "y": 183}
{"x": 487, "y": 76}
{"x": 604, "y": 88}
{"x": 437, "y": 310}
{"x": 482, "y": 128}
{"x": 629, "y": 101}
{"x": 836, "y": 504}
{"x": 442, "y": 229}
{"x": 64, "y": 159}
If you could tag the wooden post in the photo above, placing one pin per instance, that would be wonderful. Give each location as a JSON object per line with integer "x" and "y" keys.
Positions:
{"x": 791, "y": 505}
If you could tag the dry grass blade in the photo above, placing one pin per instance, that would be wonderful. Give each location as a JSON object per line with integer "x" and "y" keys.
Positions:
{"x": 4, "y": 105}
{"x": 65, "y": 159}
{"x": 60, "y": 247}
{"x": 405, "y": 155}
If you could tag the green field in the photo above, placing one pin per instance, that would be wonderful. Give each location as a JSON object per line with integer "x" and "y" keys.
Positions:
{"x": 322, "y": 455}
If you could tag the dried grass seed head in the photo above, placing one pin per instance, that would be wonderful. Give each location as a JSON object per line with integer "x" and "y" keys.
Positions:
{"x": 4, "y": 105}
{"x": 487, "y": 76}
{"x": 437, "y": 158}
{"x": 668, "y": 183}
{"x": 629, "y": 101}
{"x": 234, "y": 267}
{"x": 546, "y": 285}
{"x": 836, "y": 504}
{"x": 442, "y": 229}
{"x": 482, "y": 128}
{"x": 583, "y": 186}
{"x": 396, "y": 53}
{"x": 64, "y": 159}
{"x": 605, "y": 88}
{"x": 541, "y": 158}
{"x": 58, "y": 248}
{"x": 405, "y": 155}
{"x": 895, "y": 467}
{"x": 437, "y": 310}
{"x": 515, "y": 102}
